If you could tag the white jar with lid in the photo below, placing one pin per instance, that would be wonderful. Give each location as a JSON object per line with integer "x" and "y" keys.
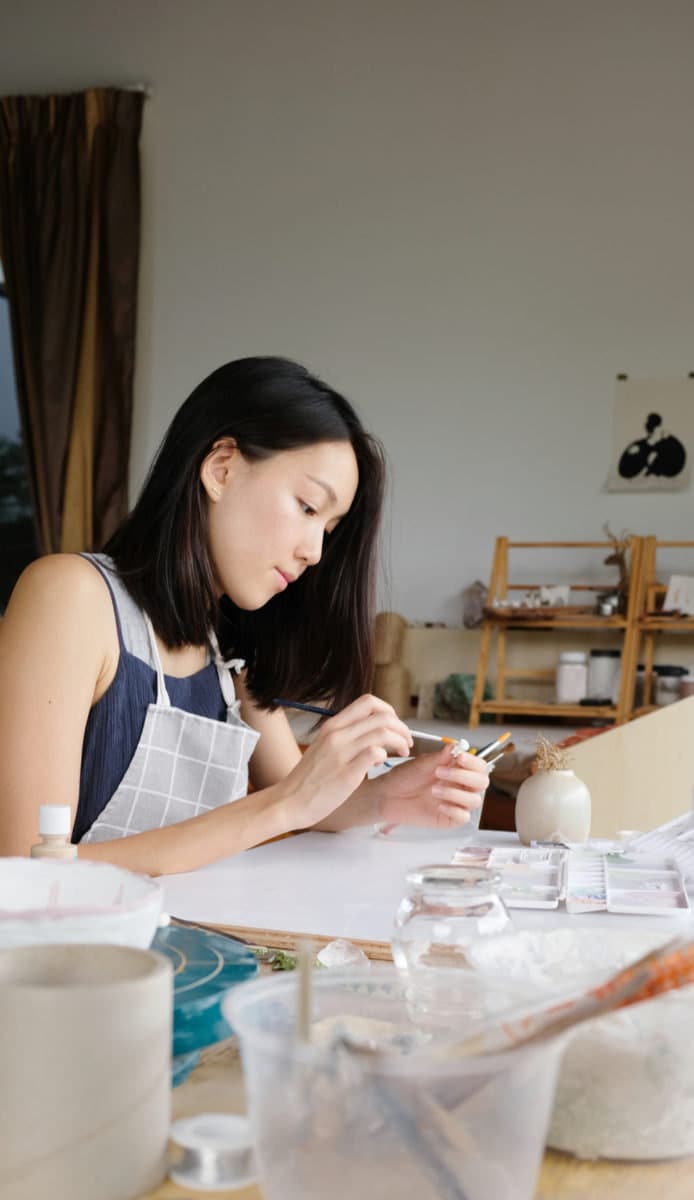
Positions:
{"x": 604, "y": 671}
{"x": 572, "y": 677}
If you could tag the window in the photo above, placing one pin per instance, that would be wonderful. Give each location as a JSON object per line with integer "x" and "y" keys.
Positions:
{"x": 17, "y": 532}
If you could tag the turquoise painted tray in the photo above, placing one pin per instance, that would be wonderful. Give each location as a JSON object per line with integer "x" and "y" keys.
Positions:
{"x": 205, "y": 966}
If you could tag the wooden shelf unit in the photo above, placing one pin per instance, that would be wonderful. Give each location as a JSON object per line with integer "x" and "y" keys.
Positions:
{"x": 499, "y": 624}
{"x": 649, "y": 623}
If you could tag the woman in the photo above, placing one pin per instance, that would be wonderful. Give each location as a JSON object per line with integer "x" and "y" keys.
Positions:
{"x": 138, "y": 686}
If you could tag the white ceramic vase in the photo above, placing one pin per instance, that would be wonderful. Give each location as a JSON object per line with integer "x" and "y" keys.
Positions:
{"x": 553, "y": 803}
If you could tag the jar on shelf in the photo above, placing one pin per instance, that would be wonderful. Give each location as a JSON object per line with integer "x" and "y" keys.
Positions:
{"x": 687, "y": 684}
{"x": 445, "y": 910}
{"x": 572, "y": 677}
{"x": 604, "y": 670}
{"x": 668, "y": 679}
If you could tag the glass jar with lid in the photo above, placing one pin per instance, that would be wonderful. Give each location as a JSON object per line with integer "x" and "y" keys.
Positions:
{"x": 604, "y": 671}
{"x": 445, "y": 910}
{"x": 668, "y": 679}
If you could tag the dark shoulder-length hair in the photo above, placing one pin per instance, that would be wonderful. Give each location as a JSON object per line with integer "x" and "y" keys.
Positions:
{"x": 315, "y": 639}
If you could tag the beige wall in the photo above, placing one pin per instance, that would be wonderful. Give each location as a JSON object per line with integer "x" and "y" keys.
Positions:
{"x": 470, "y": 215}
{"x": 432, "y": 654}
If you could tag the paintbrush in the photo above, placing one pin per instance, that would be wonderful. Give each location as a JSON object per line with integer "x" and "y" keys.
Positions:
{"x": 492, "y": 746}
{"x": 332, "y": 712}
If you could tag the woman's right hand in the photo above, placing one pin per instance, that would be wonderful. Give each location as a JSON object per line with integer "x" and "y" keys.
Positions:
{"x": 361, "y": 736}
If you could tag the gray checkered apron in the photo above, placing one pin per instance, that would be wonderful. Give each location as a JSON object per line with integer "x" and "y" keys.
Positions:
{"x": 184, "y": 764}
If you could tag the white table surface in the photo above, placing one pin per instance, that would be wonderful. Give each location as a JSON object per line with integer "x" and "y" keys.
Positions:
{"x": 346, "y": 885}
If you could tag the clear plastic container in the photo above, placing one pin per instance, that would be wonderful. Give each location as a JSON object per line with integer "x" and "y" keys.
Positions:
{"x": 572, "y": 677}
{"x": 403, "y": 1115}
{"x": 604, "y": 670}
{"x": 444, "y": 911}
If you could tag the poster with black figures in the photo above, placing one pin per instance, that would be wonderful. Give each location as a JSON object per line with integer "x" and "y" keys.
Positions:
{"x": 652, "y": 435}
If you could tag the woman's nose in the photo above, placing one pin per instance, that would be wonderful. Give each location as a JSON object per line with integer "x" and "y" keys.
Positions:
{"x": 312, "y": 546}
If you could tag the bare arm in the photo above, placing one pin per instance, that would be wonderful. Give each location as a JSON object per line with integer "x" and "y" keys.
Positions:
{"x": 53, "y": 661}
{"x": 277, "y": 752}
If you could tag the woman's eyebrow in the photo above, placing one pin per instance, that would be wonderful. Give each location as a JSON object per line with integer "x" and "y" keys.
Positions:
{"x": 326, "y": 487}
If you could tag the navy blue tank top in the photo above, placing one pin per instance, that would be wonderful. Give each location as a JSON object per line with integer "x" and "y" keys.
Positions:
{"x": 115, "y": 722}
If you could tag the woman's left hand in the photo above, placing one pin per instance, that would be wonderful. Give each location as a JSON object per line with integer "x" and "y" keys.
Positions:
{"x": 431, "y": 789}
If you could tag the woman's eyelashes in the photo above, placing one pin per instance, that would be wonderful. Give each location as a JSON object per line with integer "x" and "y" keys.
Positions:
{"x": 311, "y": 511}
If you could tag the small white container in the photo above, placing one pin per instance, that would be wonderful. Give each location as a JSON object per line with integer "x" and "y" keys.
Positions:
{"x": 572, "y": 677}
{"x": 55, "y": 826}
{"x": 604, "y": 670}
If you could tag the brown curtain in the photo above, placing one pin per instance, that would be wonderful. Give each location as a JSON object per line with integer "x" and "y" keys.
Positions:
{"x": 69, "y": 241}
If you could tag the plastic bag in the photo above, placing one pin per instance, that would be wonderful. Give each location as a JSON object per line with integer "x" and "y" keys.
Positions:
{"x": 453, "y": 697}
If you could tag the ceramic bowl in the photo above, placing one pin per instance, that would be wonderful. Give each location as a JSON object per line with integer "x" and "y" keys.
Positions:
{"x": 48, "y": 901}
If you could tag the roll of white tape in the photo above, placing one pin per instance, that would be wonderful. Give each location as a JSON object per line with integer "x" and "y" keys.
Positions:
{"x": 212, "y": 1152}
{"x": 85, "y": 1054}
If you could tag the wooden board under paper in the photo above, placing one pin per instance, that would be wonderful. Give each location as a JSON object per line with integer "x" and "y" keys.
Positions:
{"x": 642, "y": 773}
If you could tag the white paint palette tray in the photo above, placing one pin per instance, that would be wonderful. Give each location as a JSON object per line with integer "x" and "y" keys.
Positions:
{"x": 531, "y": 877}
{"x": 625, "y": 883}
{"x": 586, "y": 879}
{"x": 655, "y": 891}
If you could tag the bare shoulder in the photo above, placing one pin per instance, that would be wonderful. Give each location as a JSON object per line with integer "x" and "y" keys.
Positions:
{"x": 63, "y": 594}
{"x": 57, "y": 579}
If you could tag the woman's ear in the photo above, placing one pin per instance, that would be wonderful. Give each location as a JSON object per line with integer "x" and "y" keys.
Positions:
{"x": 216, "y": 467}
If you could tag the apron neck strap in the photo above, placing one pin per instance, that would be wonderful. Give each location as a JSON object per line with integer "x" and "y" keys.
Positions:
{"x": 162, "y": 694}
{"x": 224, "y": 669}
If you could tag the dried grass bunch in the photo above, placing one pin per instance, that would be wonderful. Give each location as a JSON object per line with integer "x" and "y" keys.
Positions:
{"x": 550, "y": 757}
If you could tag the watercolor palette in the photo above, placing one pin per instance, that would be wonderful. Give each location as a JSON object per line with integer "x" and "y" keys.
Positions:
{"x": 641, "y": 889}
{"x": 586, "y": 888}
{"x": 530, "y": 877}
{"x": 586, "y": 879}
{"x": 624, "y": 883}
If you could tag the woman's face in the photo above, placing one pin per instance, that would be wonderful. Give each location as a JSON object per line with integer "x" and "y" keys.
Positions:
{"x": 267, "y": 519}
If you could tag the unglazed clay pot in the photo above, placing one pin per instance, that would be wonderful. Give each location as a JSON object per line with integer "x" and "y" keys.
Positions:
{"x": 553, "y": 803}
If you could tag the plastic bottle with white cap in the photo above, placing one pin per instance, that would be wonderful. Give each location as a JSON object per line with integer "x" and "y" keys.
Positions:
{"x": 55, "y": 827}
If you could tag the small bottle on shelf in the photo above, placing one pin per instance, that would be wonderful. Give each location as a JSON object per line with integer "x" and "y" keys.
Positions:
{"x": 55, "y": 826}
